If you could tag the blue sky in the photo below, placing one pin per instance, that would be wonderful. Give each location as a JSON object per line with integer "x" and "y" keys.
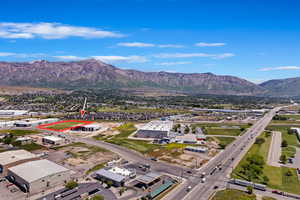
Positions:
{"x": 253, "y": 39}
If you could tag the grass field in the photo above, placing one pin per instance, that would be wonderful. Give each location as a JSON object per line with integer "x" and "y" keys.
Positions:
{"x": 277, "y": 175}
{"x": 223, "y": 131}
{"x": 137, "y": 145}
{"x": 63, "y": 125}
{"x": 219, "y": 125}
{"x": 223, "y": 141}
{"x": 268, "y": 198}
{"x": 231, "y": 194}
{"x": 19, "y": 132}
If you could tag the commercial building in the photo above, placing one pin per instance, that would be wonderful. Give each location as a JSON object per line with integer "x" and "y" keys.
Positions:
{"x": 155, "y": 129}
{"x": 7, "y": 124}
{"x": 186, "y": 139}
{"x": 123, "y": 172}
{"x": 12, "y": 113}
{"x": 88, "y": 127}
{"x": 35, "y": 122}
{"x": 12, "y": 158}
{"x": 148, "y": 179}
{"x": 53, "y": 140}
{"x": 39, "y": 175}
{"x": 196, "y": 149}
{"x": 24, "y": 140}
{"x": 106, "y": 175}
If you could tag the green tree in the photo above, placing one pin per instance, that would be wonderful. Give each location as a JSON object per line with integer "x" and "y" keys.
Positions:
{"x": 187, "y": 129}
{"x": 122, "y": 190}
{"x": 249, "y": 189}
{"x": 291, "y": 131}
{"x": 71, "y": 185}
{"x": 259, "y": 141}
{"x": 284, "y": 143}
{"x": 283, "y": 158}
{"x": 265, "y": 180}
{"x": 109, "y": 183}
{"x": 289, "y": 173}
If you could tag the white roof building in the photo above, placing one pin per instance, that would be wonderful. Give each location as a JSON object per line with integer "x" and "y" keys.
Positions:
{"x": 39, "y": 175}
{"x": 8, "y": 157}
{"x": 34, "y": 170}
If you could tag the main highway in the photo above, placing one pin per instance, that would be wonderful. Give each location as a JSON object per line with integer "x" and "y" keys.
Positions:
{"x": 226, "y": 160}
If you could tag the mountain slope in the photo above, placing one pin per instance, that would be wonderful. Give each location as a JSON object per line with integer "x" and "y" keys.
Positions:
{"x": 282, "y": 87}
{"x": 96, "y": 74}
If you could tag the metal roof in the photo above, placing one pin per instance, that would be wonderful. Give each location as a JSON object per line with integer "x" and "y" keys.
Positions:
{"x": 52, "y": 138}
{"x": 148, "y": 178}
{"x": 35, "y": 170}
{"x": 110, "y": 175}
{"x": 158, "y": 126}
{"x": 8, "y": 157}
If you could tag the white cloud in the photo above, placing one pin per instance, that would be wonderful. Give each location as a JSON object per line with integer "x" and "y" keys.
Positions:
{"x": 142, "y": 44}
{"x": 69, "y": 57}
{"x": 204, "y": 44}
{"x": 191, "y": 55}
{"x": 129, "y": 59}
{"x": 280, "y": 68}
{"x": 6, "y": 54}
{"x": 22, "y": 55}
{"x": 135, "y": 44}
{"x": 173, "y": 63}
{"x": 51, "y": 31}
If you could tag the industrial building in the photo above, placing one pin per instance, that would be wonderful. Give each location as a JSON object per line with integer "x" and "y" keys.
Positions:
{"x": 39, "y": 175}
{"x": 148, "y": 179}
{"x": 35, "y": 122}
{"x": 24, "y": 140}
{"x": 123, "y": 172}
{"x": 53, "y": 140}
{"x": 186, "y": 139}
{"x": 106, "y": 175}
{"x": 88, "y": 127}
{"x": 7, "y": 124}
{"x": 12, "y": 113}
{"x": 12, "y": 158}
{"x": 155, "y": 129}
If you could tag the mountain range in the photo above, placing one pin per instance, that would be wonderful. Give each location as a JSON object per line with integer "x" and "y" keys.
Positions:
{"x": 93, "y": 73}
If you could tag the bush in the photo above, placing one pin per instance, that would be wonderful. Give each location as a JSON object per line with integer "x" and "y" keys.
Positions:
{"x": 97, "y": 197}
{"x": 291, "y": 131}
{"x": 71, "y": 185}
{"x": 259, "y": 141}
{"x": 249, "y": 189}
{"x": 283, "y": 159}
{"x": 284, "y": 143}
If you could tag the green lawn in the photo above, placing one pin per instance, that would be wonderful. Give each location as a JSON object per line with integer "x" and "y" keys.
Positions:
{"x": 289, "y": 151}
{"x": 219, "y": 125}
{"x": 268, "y": 198}
{"x": 64, "y": 125}
{"x": 277, "y": 175}
{"x": 292, "y": 117}
{"x": 223, "y": 131}
{"x": 122, "y": 140}
{"x": 19, "y": 132}
{"x": 231, "y": 194}
{"x": 95, "y": 168}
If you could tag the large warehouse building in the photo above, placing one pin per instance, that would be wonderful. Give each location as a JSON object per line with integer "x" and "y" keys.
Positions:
{"x": 155, "y": 129}
{"x": 35, "y": 122}
{"x": 37, "y": 176}
{"x": 12, "y": 158}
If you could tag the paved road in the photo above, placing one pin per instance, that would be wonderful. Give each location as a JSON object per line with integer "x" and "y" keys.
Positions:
{"x": 275, "y": 149}
{"x": 228, "y": 159}
{"x": 134, "y": 156}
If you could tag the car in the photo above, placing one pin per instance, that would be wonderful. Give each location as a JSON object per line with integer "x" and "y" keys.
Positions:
{"x": 189, "y": 172}
{"x": 216, "y": 187}
{"x": 154, "y": 159}
{"x": 2, "y": 179}
{"x": 188, "y": 188}
{"x": 277, "y": 192}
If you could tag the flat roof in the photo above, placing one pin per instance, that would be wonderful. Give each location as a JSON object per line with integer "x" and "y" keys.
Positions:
{"x": 52, "y": 138}
{"x": 91, "y": 126}
{"x": 121, "y": 171}
{"x": 35, "y": 170}
{"x": 148, "y": 178}
{"x": 158, "y": 126}
{"x": 8, "y": 157}
{"x": 110, "y": 175}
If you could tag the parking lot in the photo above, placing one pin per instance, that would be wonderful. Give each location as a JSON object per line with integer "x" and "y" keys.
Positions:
{"x": 9, "y": 191}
